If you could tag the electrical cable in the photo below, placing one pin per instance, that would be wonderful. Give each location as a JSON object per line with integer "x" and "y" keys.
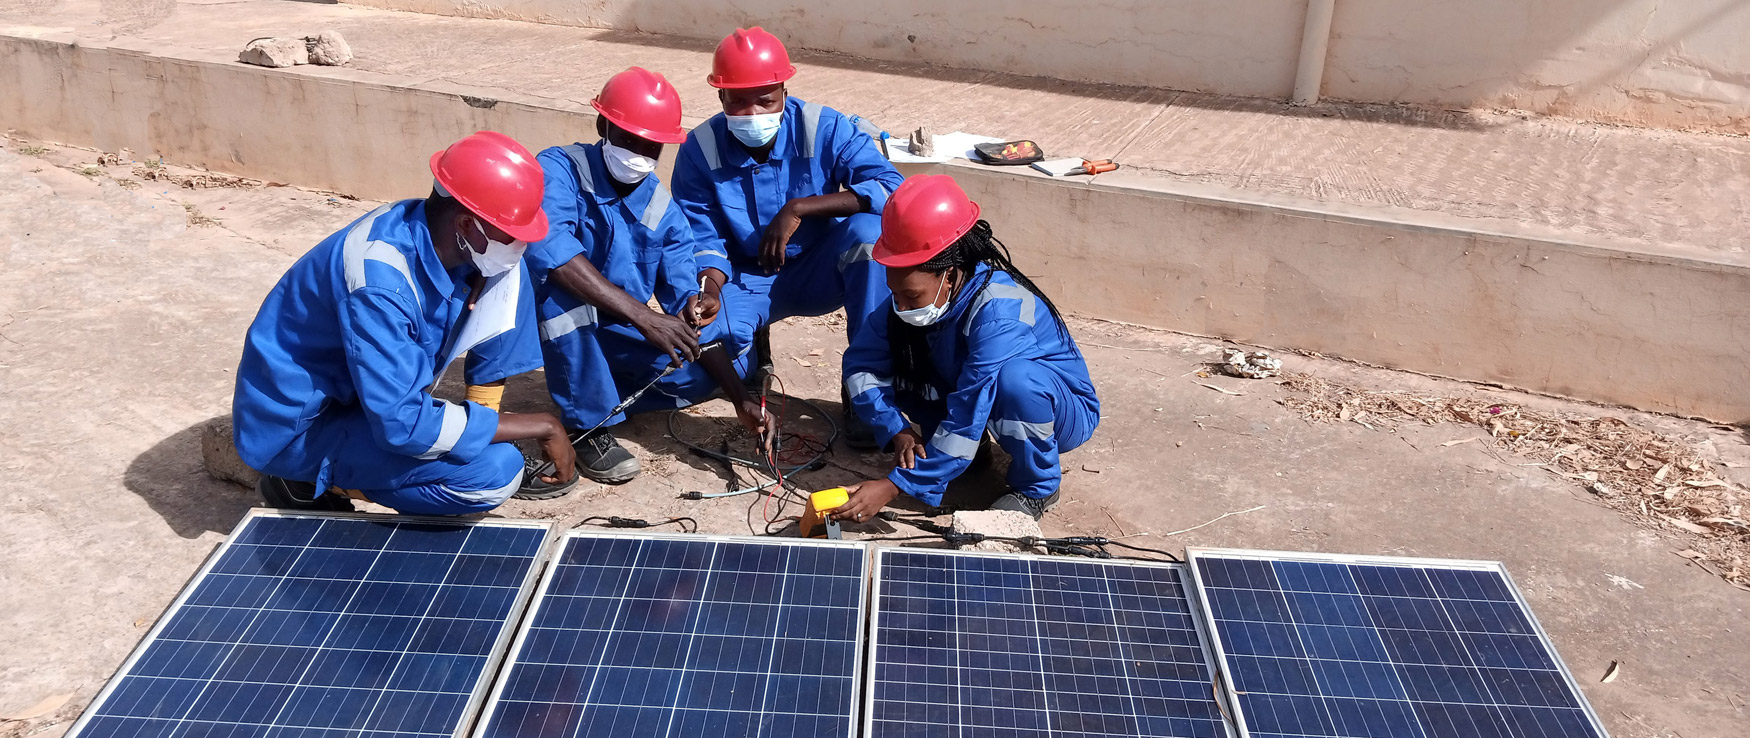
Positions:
{"x": 686, "y": 524}
{"x": 1087, "y": 546}
{"x": 817, "y": 460}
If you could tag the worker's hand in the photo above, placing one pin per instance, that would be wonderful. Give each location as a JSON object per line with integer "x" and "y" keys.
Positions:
{"x": 908, "y": 447}
{"x": 702, "y": 309}
{"x": 476, "y": 285}
{"x": 671, "y": 335}
{"x": 557, "y": 445}
{"x": 777, "y": 239}
{"x": 867, "y": 498}
{"x": 758, "y": 422}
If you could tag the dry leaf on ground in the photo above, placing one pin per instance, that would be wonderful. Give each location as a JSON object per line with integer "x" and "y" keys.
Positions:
{"x": 1655, "y": 480}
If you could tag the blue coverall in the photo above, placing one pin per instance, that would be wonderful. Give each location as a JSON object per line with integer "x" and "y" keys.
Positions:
{"x": 1002, "y": 362}
{"x": 335, "y": 383}
{"x": 643, "y": 245}
{"x": 730, "y": 198}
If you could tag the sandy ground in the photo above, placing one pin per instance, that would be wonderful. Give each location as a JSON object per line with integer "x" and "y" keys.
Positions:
{"x": 120, "y": 322}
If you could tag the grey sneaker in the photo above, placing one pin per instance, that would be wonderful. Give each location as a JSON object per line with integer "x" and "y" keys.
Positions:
{"x": 1034, "y": 507}
{"x": 600, "y": 457}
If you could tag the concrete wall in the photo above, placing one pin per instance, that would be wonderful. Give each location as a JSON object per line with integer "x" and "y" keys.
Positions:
{"x": 204, "y": 109}
{"x": 1664, "y": 63}
{"x": 1658, "y": 331}
{"x": 1401, "y": 288}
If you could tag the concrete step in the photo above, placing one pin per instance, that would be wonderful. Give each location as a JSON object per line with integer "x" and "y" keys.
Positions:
{"x": 1602, "y": 263}
{"x": 1579, "y": 178}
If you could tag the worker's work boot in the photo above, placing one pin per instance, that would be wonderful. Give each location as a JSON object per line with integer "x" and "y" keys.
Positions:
{"x": 762, "y": 360}
{"x": 1034, "y": 507}
{"x": 291, "y": 494}
{"x": 536, "y": 488}
{"x": 601, "y": 458}
{"x": 858, "y": 434}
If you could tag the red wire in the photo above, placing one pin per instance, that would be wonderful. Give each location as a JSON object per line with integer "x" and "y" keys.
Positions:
{"x": 771, "y": 457}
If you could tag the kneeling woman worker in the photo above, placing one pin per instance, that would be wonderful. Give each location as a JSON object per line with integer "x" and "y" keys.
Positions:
{"x": 969, "y": 345}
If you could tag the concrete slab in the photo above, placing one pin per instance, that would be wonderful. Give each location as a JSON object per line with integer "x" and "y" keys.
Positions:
{"x": 121, "y": 322}
{"x": 1584, "y": 179}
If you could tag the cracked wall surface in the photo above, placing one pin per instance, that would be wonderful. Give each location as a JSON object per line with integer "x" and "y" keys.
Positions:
{"x": 1675, "y": 64}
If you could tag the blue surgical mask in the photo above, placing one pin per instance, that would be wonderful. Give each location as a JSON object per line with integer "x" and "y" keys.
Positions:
{"x": 926, "y": 315}
{"x": 754, "y": 131}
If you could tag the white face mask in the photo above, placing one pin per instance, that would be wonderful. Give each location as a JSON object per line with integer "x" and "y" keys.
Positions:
{"x": 499, "y": 257}
{"x": 926, "y": 315}
{"x": 754, "y": 131}
{"x": 625, "y": 166}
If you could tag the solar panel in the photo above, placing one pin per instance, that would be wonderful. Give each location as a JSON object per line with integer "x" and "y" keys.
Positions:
{"x": 327, "y": 625}
{"x": 691, "y": 637}
{"x": 1364, "y": 647}
{"x": 971, "y": 645}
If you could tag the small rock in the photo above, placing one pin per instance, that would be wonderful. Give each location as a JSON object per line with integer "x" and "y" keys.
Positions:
{"x": 275, "y": 52}
{"x": 219, "y": 454}
{"x": 1004, "y": 523}
{"x": 329, "y": 49}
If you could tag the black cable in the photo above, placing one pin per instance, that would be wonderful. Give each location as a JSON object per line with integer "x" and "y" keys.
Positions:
{"x": 1088, "y": 546}
{"x": 817, "y": 461}
{"x": 1173, "y": 557}
{"x": 686, "y": 524}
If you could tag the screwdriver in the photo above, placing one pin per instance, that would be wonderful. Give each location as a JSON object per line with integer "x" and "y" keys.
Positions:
{"x": 1096, "y": 166}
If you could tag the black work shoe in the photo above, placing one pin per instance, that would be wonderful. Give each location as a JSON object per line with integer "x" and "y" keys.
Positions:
{"x": 290, "y": 494}
{"x": 762, "y": 361}
{"x": 601, "y": 458}
{"x": 982, "y": 460}
{"x": 858, "y": 434}
{"x": 535, "y": 488}
{"x": 1029, "y": 505}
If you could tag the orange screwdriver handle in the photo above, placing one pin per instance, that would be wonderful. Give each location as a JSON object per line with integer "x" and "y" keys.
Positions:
{"x": 1099, "y": 167}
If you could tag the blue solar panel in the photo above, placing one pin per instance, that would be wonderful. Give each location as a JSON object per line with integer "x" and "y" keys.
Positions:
{"x": 968, "y": 645}
{"x": 1374, "y": 647}
{"x": 688, "y": 637}
{"x": 327, "y": 626}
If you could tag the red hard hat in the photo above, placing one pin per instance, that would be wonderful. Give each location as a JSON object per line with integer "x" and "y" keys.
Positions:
{"x": 497, "y": 179}
{"x": 927, "y": 214}
{"x": 643, "y": 104}
{"x": 750, "y": 57}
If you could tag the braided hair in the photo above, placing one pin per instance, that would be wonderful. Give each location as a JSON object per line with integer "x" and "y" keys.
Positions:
{"x": 912, "y": 369}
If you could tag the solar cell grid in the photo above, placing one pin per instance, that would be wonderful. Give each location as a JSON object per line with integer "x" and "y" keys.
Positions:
{"x": 1372, "y": 647}
{"x": 988, "y": 645}
{"x": 323, "y": 626}
{"x": 656, "y": 636}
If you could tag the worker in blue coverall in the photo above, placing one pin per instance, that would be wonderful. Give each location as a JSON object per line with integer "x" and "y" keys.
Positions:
{"x": 784, "y": 198}
{"x": 968, "y": 345}
{"x": 616, "y": 240}
{"x": 334, "y": 388}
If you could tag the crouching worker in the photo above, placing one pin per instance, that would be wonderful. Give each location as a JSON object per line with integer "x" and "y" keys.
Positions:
{"x": 617, "y": 240}
{"x": 335, "y": 384}
{"x": 968, "y": 345}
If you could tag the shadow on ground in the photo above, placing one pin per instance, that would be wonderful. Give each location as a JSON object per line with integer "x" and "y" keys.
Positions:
{"x": 171, "y": 479}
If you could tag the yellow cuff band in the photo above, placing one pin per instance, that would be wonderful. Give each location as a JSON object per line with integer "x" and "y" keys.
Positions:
{"x": 488, "y": 395}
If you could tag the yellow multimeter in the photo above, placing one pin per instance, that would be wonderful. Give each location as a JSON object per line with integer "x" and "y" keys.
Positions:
{"x": 815, "y": 523}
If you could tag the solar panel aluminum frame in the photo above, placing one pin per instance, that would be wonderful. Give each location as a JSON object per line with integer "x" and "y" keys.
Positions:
{"x": 1208, "y": 615}
{"x": 1199, "y": 620}
{"x": 556, "y": 553}
{"x": 493, "y": 659}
